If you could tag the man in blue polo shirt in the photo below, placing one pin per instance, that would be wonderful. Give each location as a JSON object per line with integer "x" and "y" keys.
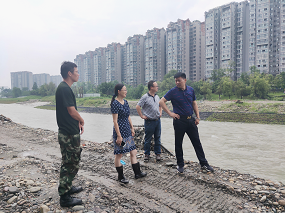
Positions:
{"x": 183, "y": 100}
{"x": 148, "y": 109}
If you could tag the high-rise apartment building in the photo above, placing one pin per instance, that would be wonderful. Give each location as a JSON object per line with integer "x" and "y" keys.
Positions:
{"x": 114, "y": 62}
{"x": 178, "y": 46}
{"x": 196, "y": 51}
{"x": 134, "y": 60}
{"x": 41, "y": 79}
{"x": 56, "y": 79}
{"x": 227, "y": 38}
{"x": 265, "y": 35}
{"x": 282, "y": 37}
{"x": 234, "y": 36}
{"x": 88, "y": 67}
{"x": 228, "y": 35}
{"x": 212, "y": 28}
{"x": 251, "y": 34}
{"x": 99, "y": 71}
{"x": 242, "y": 38}
{"x": 185, "y": 48}
{"x": 154, "y": 55}
{"x": 203, "y": 51}
{"x": 22, "y": 79}
{"x": 79, "y": 61}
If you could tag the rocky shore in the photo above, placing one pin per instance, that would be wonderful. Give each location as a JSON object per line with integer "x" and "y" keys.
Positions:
{"x": 29, "y": 171}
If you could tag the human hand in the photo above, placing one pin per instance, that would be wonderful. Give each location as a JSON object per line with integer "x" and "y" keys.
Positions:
{"x": 133, "y": 132}
{"x": 144, "y": 117}
{"x": 174, "y": 115}
{"x": 197, "y": 121}
{"x": 81, "y": 129}
{"x": 119, "y": 140}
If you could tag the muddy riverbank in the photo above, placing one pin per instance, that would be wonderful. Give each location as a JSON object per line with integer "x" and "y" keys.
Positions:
{"x": 245, "y": 111}
{"x": 29, "y": 169}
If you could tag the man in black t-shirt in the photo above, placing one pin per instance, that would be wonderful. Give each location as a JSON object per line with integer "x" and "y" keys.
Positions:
{"x": 70, "y": 125}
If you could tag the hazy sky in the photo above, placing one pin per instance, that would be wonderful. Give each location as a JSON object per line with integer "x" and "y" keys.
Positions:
{"x": 37, "y": 35}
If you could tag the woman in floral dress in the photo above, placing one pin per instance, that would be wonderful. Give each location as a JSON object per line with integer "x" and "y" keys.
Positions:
{"x": 123, "y": 133}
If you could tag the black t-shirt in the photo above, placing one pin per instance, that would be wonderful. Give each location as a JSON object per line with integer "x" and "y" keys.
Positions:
{"x": 64, "y": 98}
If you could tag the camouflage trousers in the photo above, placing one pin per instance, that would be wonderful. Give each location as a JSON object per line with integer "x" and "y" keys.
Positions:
{"x": 71, "y": 152}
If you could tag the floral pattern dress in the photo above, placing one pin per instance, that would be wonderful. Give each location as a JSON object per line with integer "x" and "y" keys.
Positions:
{"x": 123, "y": 111}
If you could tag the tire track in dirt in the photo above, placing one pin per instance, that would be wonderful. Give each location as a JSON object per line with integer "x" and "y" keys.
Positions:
{"x": 177, "y": 192}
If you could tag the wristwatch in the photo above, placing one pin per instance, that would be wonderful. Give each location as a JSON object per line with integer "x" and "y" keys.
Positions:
{"x": 198, "y": 119}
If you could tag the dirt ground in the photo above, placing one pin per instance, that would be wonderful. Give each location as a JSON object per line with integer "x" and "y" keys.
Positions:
{"x": 34, "y": 154}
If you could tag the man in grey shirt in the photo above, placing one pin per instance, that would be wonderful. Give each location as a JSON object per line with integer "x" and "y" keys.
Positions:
{"x": 148, "y": 109}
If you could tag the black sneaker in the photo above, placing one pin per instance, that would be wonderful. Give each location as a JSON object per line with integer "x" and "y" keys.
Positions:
{"x": 207, "y": 168}
{"x": 180, "y": 169}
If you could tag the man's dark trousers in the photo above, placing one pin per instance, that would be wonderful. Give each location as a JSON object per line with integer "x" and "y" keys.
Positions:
{"x": 152, "y": 127}
{"x": 188, "y": 126}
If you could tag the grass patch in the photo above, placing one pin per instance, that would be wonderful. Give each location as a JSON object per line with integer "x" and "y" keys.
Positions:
{"x": 46, "y": 107}
{"x": 277, "y": 96}
{"x": 248, "y": 118}
{"x": 27, "y": 98}
{"x": 269, "y": 111}
{"x": 235, "y": 107}
{"x": 92, "y": 101}
{"x": 271, "y": 108}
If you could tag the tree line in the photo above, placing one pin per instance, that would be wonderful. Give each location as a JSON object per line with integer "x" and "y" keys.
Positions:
{"x": 251, "y": 85}
{"x": 43, "y": 90}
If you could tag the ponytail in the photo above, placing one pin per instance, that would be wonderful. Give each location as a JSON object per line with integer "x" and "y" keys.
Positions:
{"x": 117, "y": 88}
{"x": 113, "y": 98}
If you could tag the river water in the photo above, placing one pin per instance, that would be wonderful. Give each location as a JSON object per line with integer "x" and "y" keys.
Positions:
{"x": 257, "y": 149}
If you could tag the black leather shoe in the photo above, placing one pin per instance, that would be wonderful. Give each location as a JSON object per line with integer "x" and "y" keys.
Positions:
{"x": 74, "y": 190}
{"x": 67, "y": 201}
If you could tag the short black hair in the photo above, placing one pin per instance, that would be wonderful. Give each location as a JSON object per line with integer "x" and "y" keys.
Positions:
{"x": 67, "y": 66}
{"x": 150, "y": 84}
{"x": 180, "y": 74}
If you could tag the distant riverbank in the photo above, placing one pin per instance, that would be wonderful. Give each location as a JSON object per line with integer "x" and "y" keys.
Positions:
{"x": 264, "y": 112}
{"x": 247, "y": 111}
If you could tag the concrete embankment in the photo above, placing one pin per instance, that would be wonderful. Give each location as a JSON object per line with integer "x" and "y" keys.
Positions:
{"x": 29, "y": 169}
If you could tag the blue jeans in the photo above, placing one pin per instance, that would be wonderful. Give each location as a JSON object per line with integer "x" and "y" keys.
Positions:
{"x": 152, "y": 128}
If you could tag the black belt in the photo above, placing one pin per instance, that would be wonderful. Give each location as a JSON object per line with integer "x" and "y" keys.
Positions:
{"x": 152, "y": 119}
{"x": 186, "y": 116}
